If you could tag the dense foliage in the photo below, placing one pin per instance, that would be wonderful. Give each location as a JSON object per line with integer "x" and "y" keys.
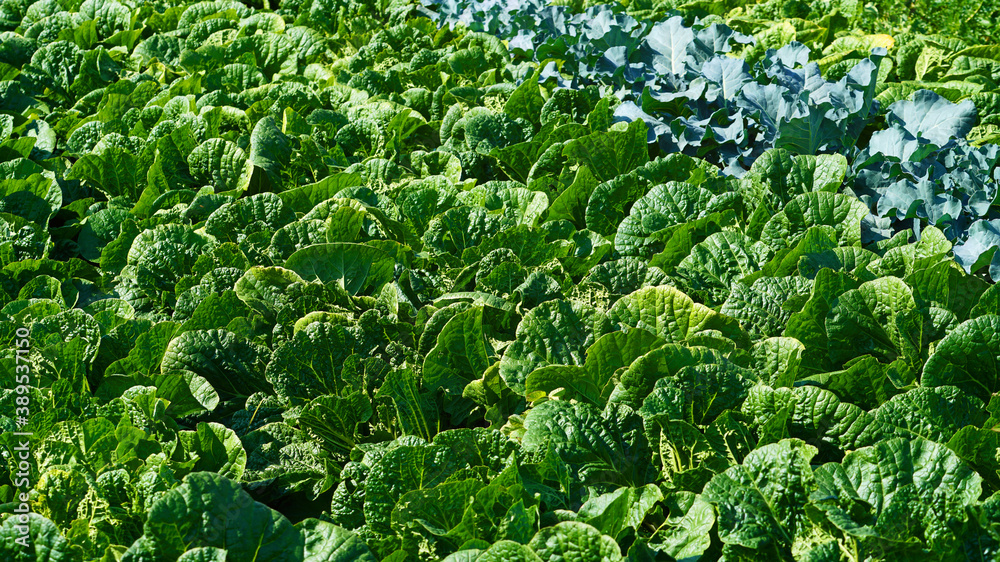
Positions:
{"x": 331, "y": 280}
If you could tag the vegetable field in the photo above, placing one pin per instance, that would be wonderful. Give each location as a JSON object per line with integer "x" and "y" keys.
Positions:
{"x": 500, "y": 280}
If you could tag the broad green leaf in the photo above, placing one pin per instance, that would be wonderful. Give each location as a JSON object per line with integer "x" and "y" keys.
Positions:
{"x": 843, "y": 212}
{"x": 685, "y": 457}
{"x": 234, "y": 367}
{"x": 216, "y": 312}
{"x": 217, "y": 162}
{"x": 419, "y": 203}
{"x": 216, "y": 448}
{"x": 592, "y": 382}
{"x": 333, "y": 421}
{"x": 166, "y": 252}
{"x": 625, "y": 276}
{"x": 416, "y": 414}
{"x": 570, "y": 539}
{"x": 571, "y": 204}
{"x": 145, "y": 357}
{"x": 641, "y": 376}
{"x": 864, "y": 321}
{"x": 325, "y": 542}
{"x": 34, "y": 197}
{"x": 625, "y": 508}
{"x": 850, "y": 259}
{"x": 504, "y": 551}
{"x": 401, "y": 470}
{"x": 776, "y": 361}
{"x": 99, "y": 230}
{"x": 522, "y": 205}
{"x": 695, "y": 393}
{"x": 203, "y": 554}
{"x": 686, "y": 532}
{"x": 978, "y": 447}
{"x": 270, "y": 153}
{"x": 647, "y": 227}
{"x": 762, "y": 502}
{"x": 880, "y": 472}
{"x": 210, "y": 510}
{"x": 461, "y": 355}
{"x": 437, "y": 511}
{"x": 516, "y": 160}
{"x": 809, "y": 133}
{"x": 619, "y": 349}
{"x": 866, "y": 382}
{"x": 601, "y": 448}
{"x": 311, "y": 363}
{"x": 611, "y": 200}
{"x": 808, "y": 325}
{"x": 717, "y": 263}
{"x": 968, "y": 357}
{"x": 765, "y": 307}
{"x": 945, "y": 286}
{"x": 672, "y": 315}
{"x": 264, "y": 212}
{"x": 459, "y": 228}
{"x": 44, "y": 541}
{"x": 778, "y": 176}
{"x": 526, "y": 101}
{"x": 814, "y": 415}
{"x": 356, "y": 268}
{"x": 553, "y": 333}
{"x": 816, "y": 240}
{"x": 681, "y": 239}
{"x": 114, "y": 172}
{"x": 934, "y": 414}
{"x": 65, "y": 326}
{"x": 988, "y": 303}
{"x": 610, "y": 154}
{"x": 303, "y": 198}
